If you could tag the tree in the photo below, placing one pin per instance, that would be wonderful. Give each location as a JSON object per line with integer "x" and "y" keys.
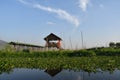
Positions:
{"x": 118, "y": 44}
{"x": 112, "y": 44}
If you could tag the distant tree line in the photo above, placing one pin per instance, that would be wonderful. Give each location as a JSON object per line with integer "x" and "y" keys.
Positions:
{"x": 113, "y": 44}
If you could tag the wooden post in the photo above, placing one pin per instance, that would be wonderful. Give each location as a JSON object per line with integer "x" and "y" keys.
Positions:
{"x": 59, "y": 44}
{"x": 82, "y": 40}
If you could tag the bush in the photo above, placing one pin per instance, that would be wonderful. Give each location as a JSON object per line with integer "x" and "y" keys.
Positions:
{"x": 112, "y": 44}
{"x": 118, "y": 45}
{"x": 85, "y": 53}
{"x": 26, "y": 50}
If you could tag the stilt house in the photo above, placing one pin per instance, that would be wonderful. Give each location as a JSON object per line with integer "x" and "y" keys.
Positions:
{"x": 53, "y": 41}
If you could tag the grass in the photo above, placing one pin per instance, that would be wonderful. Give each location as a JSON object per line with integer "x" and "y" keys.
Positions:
{"x": 62, "y": 53}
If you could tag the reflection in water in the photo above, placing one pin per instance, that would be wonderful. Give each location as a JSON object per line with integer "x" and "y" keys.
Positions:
{"x": 53, "y": 72}
{"x": 58, "y": 74}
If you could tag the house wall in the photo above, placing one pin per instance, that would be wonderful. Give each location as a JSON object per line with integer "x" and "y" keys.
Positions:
{"x": 21, "y": 48}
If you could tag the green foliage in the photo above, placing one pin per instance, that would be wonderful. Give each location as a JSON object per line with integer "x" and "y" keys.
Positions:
{"x": 112, "y": 44}
{"x": 8, "y": 52}
{"x": 88, "y": 60}
{"x": 88, "y": 64}
{"x": 26, "y": 50}
{"x": 118, "y": 44}
{"x": 87, "y": 53}
{"x": 8, "y": 48}
{"x": 108, "y": 52}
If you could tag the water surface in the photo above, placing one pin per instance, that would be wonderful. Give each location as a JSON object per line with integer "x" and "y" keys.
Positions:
{"x": 58, "y": 74}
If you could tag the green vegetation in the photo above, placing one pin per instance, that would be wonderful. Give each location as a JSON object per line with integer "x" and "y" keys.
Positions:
{"x": 44, "y": 54}
{"x": 89, "y": 64}
{"x": 61, "y": 53}
{"x": 89, "y": 60}
{"x": 112, "y": 44}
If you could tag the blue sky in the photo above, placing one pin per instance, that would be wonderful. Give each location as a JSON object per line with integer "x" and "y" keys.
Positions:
{"x": 29, "y": 21}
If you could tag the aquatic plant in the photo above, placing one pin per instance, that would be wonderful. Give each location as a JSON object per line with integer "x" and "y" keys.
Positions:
{"x": 89, "y": 64}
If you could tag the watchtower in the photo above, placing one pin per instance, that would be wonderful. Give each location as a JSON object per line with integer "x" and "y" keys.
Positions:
{"x": 53, "y": 41}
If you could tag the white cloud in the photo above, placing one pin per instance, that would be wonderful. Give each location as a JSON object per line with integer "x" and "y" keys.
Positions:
{"x": 22, "y": 1}
{"x": 51, "y": 23}
{"x": 83, "y": 4}
{"x": 59, "y": 12}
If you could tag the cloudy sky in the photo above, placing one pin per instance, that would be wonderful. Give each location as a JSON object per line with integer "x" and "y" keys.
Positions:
{"x": 29, "y": 21}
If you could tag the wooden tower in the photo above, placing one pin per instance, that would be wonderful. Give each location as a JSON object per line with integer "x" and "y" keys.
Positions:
{"x": 53, "y": 41}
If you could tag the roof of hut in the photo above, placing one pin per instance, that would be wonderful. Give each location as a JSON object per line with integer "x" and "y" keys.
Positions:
{"x": 24, "y": 44}
{"x": 52, "y": 37}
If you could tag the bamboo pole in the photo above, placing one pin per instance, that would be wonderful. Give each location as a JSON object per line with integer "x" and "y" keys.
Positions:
{"x": 82, "y": 40}
{"x": 70, "y": 42}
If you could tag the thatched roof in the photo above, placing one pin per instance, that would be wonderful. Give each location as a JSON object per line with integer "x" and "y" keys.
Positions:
{"x": 23, "y": 44}
{"x": 52, "y": 37}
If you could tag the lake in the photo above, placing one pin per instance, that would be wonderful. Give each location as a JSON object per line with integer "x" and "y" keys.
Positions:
{"x": 60, "y": 68}
{"x": 58, "y": 74}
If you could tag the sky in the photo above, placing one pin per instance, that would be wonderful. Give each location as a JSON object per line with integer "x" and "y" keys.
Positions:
{"x": 29, "y": 21}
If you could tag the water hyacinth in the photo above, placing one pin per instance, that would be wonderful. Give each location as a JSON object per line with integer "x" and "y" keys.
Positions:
{"x": 87, "y": 60}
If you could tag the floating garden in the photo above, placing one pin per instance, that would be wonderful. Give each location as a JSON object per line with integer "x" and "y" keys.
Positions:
{"x": 88, "y": 60}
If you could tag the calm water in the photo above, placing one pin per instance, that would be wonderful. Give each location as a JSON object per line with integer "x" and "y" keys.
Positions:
{"x": 36, "y": 74}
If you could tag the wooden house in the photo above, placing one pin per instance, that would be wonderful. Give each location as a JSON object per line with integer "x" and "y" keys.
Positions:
{"x": 53, "y": 41}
